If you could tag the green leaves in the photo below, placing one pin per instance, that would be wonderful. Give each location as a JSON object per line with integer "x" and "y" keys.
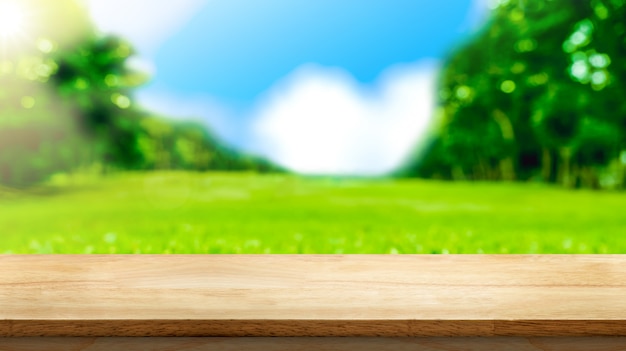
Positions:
{"x": 540, "y": 79}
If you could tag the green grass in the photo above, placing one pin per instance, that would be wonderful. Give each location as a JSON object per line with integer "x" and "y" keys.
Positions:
{"x": 248, "y": 213}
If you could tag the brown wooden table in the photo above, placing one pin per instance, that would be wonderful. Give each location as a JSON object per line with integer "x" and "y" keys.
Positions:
{"x": 532, "y": 302}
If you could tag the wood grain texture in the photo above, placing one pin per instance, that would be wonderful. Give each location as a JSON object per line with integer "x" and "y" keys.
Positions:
{"x": 312, "y": 295}
{"x": 316, "y": 344}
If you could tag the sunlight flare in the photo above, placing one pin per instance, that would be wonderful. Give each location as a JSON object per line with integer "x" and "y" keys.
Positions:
{"x": 12, "y": 19}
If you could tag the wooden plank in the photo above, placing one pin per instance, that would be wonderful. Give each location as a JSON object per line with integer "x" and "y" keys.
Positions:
{"x": 316, "y": 344}
{"x": 312, "y": 295}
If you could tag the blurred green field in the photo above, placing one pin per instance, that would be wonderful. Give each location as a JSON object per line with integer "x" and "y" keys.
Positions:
{"x": 172, "y": 212}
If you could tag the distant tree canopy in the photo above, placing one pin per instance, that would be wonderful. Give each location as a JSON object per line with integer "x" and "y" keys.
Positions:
{"x": 66, "y": 102}
{"x": 537, "y": 94}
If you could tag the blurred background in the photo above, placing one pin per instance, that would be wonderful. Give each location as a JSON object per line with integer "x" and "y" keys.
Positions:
{"x": 211, "y": 126}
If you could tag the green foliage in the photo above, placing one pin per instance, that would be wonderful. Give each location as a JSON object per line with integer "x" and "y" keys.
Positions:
{"x": 67, "y": 103}
{"x": 38, "y": 134}
{"x": 536, "y": 95}
{"x": 95, "y": 76}
{"x": 185, "y": 212}
{"x": 187, "y": 145}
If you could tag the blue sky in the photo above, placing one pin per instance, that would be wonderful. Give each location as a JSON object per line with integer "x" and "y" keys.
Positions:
{"x": 320, "y": 86}
{"x": 234, "y": 50}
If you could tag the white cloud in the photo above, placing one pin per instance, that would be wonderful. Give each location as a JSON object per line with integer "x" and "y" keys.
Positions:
{"x": 321, "y": 121}
{"x": 145, "y": 23}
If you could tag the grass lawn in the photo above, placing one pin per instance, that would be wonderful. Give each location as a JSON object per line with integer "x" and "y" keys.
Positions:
{"x": 248, "y": 213}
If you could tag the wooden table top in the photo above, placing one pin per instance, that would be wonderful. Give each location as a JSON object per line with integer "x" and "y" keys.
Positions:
{"x": 312, "y": 295}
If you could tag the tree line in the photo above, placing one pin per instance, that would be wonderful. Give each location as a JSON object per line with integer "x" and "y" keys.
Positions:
{"x": 66, "y": 105}
{"x": 537, "y": 94}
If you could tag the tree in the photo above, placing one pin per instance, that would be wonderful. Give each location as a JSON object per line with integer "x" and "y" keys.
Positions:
{"x": 67, "y": 102}
{"x": 95, "y": 75}
{"x": 37, "y": 137}
{"x": 536, "y": 95}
